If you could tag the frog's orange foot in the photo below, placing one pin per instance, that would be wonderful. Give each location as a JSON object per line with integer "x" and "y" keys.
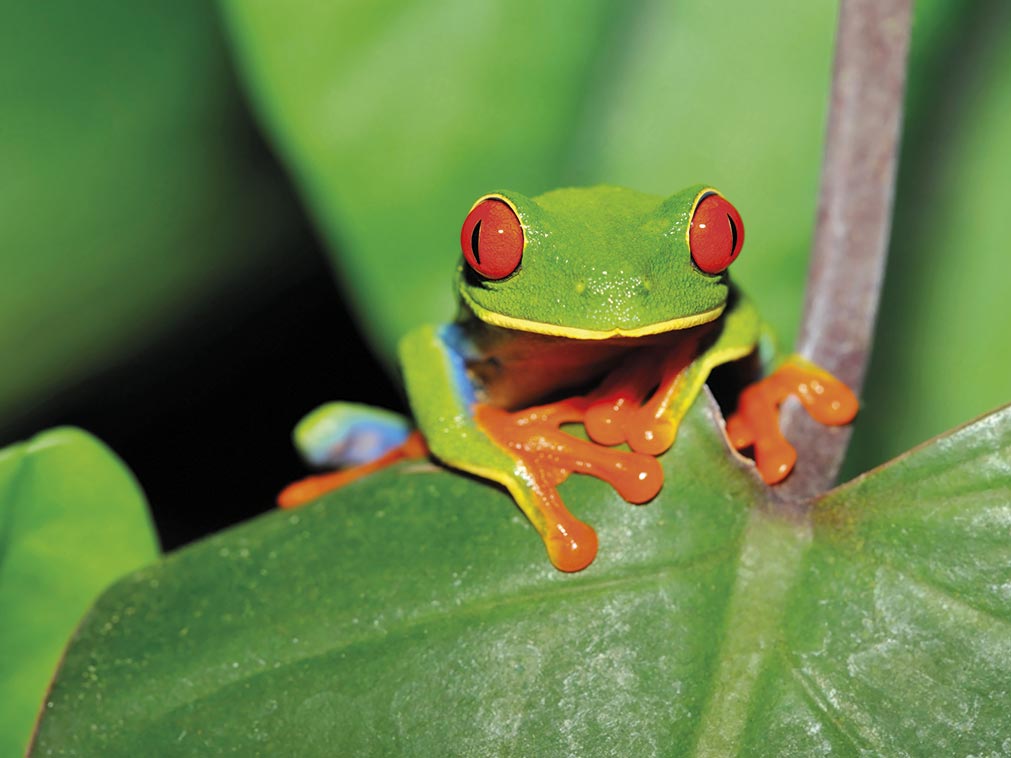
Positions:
{"x": 546, "y": 456}
{"x": 756, "y": 422}
{"x": 308, "y": 489}
{"x": 774, "y": 456}
{"x": 534, "y": 436}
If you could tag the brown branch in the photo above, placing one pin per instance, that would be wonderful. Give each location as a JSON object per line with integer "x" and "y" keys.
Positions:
{"x": 854, "y": 221}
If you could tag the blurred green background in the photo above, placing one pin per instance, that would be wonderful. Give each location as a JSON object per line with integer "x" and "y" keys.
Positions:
{"x": 178, "y": 181}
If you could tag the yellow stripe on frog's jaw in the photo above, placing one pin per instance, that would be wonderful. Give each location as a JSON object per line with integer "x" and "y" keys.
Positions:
{"x": 578, "y": 333}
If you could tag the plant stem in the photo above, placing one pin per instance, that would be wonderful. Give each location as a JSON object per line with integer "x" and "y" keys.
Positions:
{"x": 854, "y": 221}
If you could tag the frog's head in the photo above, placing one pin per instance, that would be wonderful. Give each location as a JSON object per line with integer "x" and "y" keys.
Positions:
{"x": 599, "y": 262}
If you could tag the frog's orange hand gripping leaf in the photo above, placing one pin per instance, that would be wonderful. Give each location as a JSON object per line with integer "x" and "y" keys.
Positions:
{"x": 755, "y": 424}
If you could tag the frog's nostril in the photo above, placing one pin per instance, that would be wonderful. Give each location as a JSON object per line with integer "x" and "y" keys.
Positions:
{"x": 646, "y": 283}
{"x": 580, "y": 287}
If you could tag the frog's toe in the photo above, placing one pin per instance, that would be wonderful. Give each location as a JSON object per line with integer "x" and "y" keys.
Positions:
{"x": 572, "y": 546}
{"x": 603, "y": 423}
{"x": 651, "y": 436}
{"x": 739, "y": 432}
{"x": 775, "y": 459}
{"x": 830, "y": 401}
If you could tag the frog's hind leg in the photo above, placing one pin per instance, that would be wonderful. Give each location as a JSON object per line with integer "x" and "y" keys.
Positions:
{"x": 357, "y": 439}
{"x": 337, "y": 435}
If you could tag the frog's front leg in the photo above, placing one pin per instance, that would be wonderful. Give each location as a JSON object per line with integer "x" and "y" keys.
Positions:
{"x": 756, "y": 421}
{"x": 525, "y": 452}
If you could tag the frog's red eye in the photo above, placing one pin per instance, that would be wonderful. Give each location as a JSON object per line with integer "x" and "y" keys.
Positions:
{"x": 716, "y": 234}
{"x": 492, "y": 239}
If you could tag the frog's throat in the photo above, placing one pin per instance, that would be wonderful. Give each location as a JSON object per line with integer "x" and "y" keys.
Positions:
{"x": 578, "y": 333}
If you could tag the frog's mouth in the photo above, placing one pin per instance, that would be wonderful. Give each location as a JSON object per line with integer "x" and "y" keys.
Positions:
{"x": 580, "y": 333}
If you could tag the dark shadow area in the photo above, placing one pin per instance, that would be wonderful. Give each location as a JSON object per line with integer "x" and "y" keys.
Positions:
{"x": 204, "y": 417}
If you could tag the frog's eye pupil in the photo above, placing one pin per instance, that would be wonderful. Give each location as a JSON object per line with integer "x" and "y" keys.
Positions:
{"x": 492, "y": 239}
{"x": 716, "y": 235}
{"x": 475, "y": 242}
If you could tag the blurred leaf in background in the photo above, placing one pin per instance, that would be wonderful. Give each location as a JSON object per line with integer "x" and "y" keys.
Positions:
{"x": 128, "y": 191}
{"x": 394, "y": 116}
{"x": 72, "y": 520}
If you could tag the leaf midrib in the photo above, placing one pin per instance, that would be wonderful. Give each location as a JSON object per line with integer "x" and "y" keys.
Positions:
{"x": 772, "y": 553}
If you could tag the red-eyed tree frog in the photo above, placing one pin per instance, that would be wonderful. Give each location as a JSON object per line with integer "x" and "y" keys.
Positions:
{"x": 598, "y": 306}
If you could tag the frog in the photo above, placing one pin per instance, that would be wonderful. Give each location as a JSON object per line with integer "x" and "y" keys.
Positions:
{"x": 596, "y": 308}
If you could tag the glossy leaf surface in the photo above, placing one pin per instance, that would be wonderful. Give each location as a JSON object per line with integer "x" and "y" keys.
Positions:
{"x": 415, "y": 613}
{"x": 72, "y": 521}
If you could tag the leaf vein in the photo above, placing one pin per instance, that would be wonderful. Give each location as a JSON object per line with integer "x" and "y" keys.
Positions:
{"x": 813, "y": 695}
{"x": 936, "y": 590}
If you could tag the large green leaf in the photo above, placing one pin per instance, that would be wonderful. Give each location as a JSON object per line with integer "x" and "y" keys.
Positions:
{"x": 127, "y": 192}
{"x": 72, "y": 520}
{"x": 395, "y": 116}
{"x": 415, "y": 613}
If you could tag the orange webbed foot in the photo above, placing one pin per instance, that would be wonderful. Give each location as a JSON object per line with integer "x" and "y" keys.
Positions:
{"x": 535, "y": 437}
{"x": 755, "y": 424}
{"x": 546, "y": 456}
